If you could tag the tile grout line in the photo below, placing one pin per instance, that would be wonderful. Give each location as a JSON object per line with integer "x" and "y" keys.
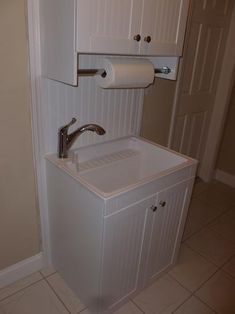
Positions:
{"x": 205, "y": 258}
{"x": 215, "y": 312}
{"x": 199, "y": 193}
{"x": 218, "y": 270}
{"x": 22, "y": 289}
{"x": 209, "y": 278}
{"x": 213, "y": 205}
{"x": 205, "y": 226}
{"x": 229, "y": 260}
{"x": 197, "y": 196}
{"x": 222, "y": 236}
{"x": 47, "y": 275}
{"x": 82, "y": 310}
{"x": 50, "y": 275}
{"x": 58, "y": 297}
{"x": 192, "y": 293}
{"x": 136, "y": 305}
{"x": 182, "y": 304}
{"x": 209, "y": 188}
{"x": 179, "y": 283}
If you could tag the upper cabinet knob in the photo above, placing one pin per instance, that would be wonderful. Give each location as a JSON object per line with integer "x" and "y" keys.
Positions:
{"x": 137, "y": 37}
{"x": 147, "y": 39}
{"x": 162, "y": 203}
{"x": 154, "y": 208}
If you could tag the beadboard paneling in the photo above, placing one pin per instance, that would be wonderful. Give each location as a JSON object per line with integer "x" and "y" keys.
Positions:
{"x": 117, "y": 110}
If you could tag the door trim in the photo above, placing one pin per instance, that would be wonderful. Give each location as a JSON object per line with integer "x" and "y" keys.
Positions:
{"x": 37, "y": 129}
{"x": 178, "y": 82}
{"x": 223, "y": 94}
{"x": 222, "y": 98}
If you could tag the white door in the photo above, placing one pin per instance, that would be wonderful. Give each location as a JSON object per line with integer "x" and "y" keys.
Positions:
{"x": 167, "y": 228}
{"x": 109, "y": 26}
{"x": 163, "y": 26}
{"x": 202, "y": 60}
{"x": 123, "y": 245}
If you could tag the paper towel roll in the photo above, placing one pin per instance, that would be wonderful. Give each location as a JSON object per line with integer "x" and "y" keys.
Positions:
{"x": 126, "y": 73}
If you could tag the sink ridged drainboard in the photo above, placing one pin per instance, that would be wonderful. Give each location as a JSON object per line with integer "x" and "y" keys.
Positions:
{"x": 107, "y": 159}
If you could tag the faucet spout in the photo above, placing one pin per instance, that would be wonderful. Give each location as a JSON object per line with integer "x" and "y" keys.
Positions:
{"x": 87, "y": 127}
{"x": 66, "y": 140}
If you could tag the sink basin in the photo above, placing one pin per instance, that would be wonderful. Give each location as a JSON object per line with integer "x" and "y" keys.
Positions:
{"x": 119, "y": 165}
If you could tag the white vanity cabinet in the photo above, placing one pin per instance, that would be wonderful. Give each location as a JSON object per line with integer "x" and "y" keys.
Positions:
{"x": 108, "y": 249}
{"x": 125, "y": 27}
{"x": 117, "y": 213}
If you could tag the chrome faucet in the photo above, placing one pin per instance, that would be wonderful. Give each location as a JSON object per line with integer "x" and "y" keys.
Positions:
{"x": 66, "y": 140}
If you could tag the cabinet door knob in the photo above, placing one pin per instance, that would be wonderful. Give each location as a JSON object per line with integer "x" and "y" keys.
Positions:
{"x": 147, "y": 39}
{"x": 154, "y": 208}
{"x": 137, "y": 37}
{"x": 162, "y": 203}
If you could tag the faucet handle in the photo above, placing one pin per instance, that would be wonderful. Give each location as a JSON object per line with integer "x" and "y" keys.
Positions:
{"x": 64, "y": 128}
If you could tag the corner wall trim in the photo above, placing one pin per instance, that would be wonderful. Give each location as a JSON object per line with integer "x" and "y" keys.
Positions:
{"x": 36, "y": 121}
{"x": 225, "y": 177}
{"x": 21, "y": 270}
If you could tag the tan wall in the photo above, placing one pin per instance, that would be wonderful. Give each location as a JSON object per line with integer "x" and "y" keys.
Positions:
{"x": 158, "y": 103}
{"x": 19, "y": 237}
{"x": 226, "y": 157}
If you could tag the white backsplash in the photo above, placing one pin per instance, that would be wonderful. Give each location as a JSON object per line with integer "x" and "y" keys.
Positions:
{"x": 118, "y": 111}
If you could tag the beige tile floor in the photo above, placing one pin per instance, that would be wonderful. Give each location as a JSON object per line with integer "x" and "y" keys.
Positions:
{"x": 202, "y": 282}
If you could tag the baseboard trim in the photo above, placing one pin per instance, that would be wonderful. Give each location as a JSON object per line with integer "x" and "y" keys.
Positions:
{"x": 225, "y": 177}
{"x": 21, "y": 270}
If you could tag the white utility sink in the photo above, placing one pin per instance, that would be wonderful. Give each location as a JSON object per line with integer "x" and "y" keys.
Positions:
{"x": 118, "y": 165}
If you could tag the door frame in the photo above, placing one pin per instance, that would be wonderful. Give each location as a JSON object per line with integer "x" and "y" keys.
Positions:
{"x": 218, "y": 118}
{"x": 37, "y": 127}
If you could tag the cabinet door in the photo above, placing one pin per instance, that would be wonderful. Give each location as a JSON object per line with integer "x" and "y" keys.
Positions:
{"x": 163, "y": 27}
{"x": 167, "y": 227}
{"x": 57, "y": 24}
{"x": 123, "y": 246}
{"x": 108, "y": 26}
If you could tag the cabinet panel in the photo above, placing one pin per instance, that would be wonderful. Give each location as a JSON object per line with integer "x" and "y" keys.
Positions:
{"x": 166, "y": 229}
{"x": 57, "y": 25}
{"x": 108, "y": 26}
{"x": 123, "y": 245}
{"x": 165, "y": 22}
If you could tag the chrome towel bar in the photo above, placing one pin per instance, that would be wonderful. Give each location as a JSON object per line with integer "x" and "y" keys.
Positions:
{"x": 102, "y": 72}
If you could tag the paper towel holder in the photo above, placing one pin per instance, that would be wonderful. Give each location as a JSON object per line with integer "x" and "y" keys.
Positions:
{"x": 91, "y": 72}
{"x": 102, "y": 72}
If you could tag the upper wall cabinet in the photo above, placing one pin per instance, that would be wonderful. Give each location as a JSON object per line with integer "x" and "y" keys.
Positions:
{"x": 137, "y": 27}
{"x": 127, "y": 27}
